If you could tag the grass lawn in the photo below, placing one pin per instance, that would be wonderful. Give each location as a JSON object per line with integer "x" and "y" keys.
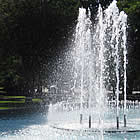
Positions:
{"x": 6, "y": 108}
{"x": 36, "y": 100}
{"x": 15, "y": 97}
{"x": 2, "y": 90}
{"x": 13, "y": 102}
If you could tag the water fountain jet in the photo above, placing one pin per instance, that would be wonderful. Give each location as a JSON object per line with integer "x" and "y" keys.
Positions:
{"x": 94, "y": 50}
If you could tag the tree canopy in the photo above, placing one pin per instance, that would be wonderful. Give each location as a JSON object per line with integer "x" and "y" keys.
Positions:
{"x": 30, "y": 31}
{"x": 132, "y": 9}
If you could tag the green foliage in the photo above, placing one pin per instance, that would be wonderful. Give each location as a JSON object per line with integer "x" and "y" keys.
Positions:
{"x": 19, "y": 29}
{"x": 9, "y": 73}
{"x": 12, "y": 15}
{"x": 64, "y": 7}
{"x": 30, "y": 32}
{"x": 27, "y": 28}
{"x": 132, "y": 8}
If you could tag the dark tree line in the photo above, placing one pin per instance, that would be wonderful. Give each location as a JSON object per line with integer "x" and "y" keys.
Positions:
{"x": 31, "y": 31}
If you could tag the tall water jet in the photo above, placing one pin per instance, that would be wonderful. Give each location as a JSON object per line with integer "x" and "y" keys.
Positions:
{"x": 98, "y": 59}
{"x": 117, "y": 23}
{"x": 83, "y": 46}
{"x": 111, "y": 19}
{"x": 124, "y": 40}
{"x": 99, "y": 49}
{"x": 89, "y": 48}
{"x": 80, "y": 37}
{"x": 90, "y": 59}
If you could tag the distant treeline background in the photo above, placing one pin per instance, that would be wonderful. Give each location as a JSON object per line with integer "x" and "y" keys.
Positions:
{"x": 30, "y": 31}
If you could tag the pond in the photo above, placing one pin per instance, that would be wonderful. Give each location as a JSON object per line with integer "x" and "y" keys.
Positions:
{"x": 34, "y": 125}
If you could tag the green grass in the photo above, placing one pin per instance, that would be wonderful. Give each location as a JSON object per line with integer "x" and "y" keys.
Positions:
{"x": 3, "y": 92}
{"x": 14, "y": 97}
{"x": 36, "y": 100}
{"x": 20, "y": 100}
{"x": 13, "y": 102}
{"x": 6, "y": 108}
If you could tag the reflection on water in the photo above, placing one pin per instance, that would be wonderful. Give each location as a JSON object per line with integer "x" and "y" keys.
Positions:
{"x": 33, "y": 125}
{"x": 13, "y": 122}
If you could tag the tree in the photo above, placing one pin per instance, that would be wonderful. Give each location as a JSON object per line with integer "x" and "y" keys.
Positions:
{"x": 132, "y": 8}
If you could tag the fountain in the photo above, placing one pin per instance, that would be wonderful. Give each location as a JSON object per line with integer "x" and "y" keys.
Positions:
{"x": 97, "y": 62}
{"x": 100, "y": 55}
